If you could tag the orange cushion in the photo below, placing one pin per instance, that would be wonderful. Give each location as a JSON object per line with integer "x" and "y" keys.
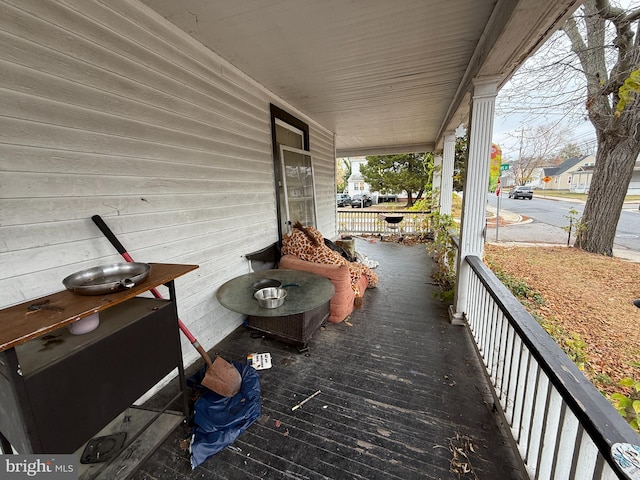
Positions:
{"x": 341, "y": 304}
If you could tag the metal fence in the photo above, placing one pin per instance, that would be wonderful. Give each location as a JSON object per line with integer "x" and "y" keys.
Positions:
{"x": 377, "y": 222}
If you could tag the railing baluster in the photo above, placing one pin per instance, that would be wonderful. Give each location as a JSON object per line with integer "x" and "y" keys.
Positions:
{"x": 528, "y": 406}
{"x": 540, "y": 401}
{"x": 567, "y": 445}
{"x": 492, "y": 342}
{"x": 471, "y": 319}
{"x": 491, "y": 352}
{"x": 608, "y": 474}
{"x": 516, "y": 393}
{"x": 584, "y": 463}
{"x": 549, "y": 438}
{"x": 486, "y": 333}
{"x": 499, "y": 350}
{"x": 507, "y": 363}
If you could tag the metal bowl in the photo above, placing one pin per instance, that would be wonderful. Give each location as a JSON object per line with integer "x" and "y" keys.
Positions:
{"x": 266, "y": 283}
{"x": 107, "y": 278}
{"x": 271, "y": 297}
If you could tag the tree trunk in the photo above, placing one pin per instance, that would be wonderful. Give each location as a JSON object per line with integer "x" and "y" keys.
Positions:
{"x": 409, "y": 199}
{"x": 615, "y": 161}
{"x": 618, "y": 131}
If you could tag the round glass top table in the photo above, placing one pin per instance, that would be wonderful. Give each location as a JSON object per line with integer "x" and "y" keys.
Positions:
{"x": 305, "y": 292}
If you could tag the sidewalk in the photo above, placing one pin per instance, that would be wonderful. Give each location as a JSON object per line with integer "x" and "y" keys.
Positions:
{"x": 513, "y": 229}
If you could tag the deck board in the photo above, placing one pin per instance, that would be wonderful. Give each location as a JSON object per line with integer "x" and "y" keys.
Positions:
{"x": 397, "y": 386}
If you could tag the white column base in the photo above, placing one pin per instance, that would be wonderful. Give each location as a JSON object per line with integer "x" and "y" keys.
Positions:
{"x": 456, "y": 318}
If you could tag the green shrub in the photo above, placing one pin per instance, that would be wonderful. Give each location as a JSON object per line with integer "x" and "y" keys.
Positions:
{"x": 519, "y": 288}
{"x": 444, "y": 252}
{"x": 628, "y": 405}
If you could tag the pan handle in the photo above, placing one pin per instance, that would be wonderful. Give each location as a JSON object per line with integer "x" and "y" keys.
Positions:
{"x": 97, "y": 219}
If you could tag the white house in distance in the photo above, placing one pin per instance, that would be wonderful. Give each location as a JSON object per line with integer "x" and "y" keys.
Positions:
{"x": 356, "y": 184}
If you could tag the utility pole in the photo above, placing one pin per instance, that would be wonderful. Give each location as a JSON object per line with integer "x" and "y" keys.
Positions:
{"x": 520, "y": 169}
{"x": 497, "y": 208}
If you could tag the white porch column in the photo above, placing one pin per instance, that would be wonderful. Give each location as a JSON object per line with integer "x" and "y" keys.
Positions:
{"x": 437, "y": 181}
{"x": 474, "y": 202}
{"x": 446, "y": 188}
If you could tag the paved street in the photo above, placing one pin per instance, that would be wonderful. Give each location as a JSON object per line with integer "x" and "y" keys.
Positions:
{"x": 533, "y": 232}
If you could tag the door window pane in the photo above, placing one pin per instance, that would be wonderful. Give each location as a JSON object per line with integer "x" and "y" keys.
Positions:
{"x": 298, "y": 187}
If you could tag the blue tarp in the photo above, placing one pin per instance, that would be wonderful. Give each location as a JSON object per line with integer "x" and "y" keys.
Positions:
{"x": 220, "y": 420}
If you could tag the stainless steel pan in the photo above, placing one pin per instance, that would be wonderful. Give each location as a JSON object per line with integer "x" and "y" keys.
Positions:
{"x": 107, "y": 278}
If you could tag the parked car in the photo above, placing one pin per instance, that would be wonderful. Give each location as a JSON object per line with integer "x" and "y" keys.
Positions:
{"x": 342, "y": 200}
{"x": 361, "y": 201}
{"x": 521, "y": 191}
{"x": 387, "y": 197}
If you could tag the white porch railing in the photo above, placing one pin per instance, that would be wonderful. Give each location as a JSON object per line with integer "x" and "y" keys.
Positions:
{"x": 562, "y": 426}
{"x": 376, "y": 222}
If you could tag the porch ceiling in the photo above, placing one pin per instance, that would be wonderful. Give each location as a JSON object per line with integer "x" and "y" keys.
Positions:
{"x": 385, "y": 76}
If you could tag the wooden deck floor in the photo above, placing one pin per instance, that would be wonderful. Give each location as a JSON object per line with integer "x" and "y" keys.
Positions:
{"x": 400, "y": 387}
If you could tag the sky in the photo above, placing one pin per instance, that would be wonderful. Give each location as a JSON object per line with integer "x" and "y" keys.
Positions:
{"x": 507, "y": 127}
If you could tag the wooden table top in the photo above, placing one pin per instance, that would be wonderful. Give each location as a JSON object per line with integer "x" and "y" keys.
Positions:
{"x": 18, "y": 324}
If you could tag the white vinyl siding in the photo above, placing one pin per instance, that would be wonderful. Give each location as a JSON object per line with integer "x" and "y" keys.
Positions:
{"x": 324, "y": 169}
{"x": 109, "y": 109}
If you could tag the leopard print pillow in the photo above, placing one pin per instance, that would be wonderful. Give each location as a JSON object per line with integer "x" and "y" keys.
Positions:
{"x": 298, "y": 244}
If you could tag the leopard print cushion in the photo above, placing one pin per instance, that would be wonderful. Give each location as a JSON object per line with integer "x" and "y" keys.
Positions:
{"x": 298, "y": 244}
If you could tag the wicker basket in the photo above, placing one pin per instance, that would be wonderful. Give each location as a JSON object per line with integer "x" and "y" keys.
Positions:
{"x": 292, "y": 329}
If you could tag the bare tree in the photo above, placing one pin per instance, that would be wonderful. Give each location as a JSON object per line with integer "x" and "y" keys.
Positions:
{"x": 583, "y": 78}
{"x": 538, "y": 147}
{"x": 570, "y": 150}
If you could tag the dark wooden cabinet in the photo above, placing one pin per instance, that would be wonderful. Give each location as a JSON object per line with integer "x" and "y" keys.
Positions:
{"x": 57, "y": 390}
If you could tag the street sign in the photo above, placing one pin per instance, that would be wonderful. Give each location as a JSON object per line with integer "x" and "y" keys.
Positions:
{"x": 504, "y": 167}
